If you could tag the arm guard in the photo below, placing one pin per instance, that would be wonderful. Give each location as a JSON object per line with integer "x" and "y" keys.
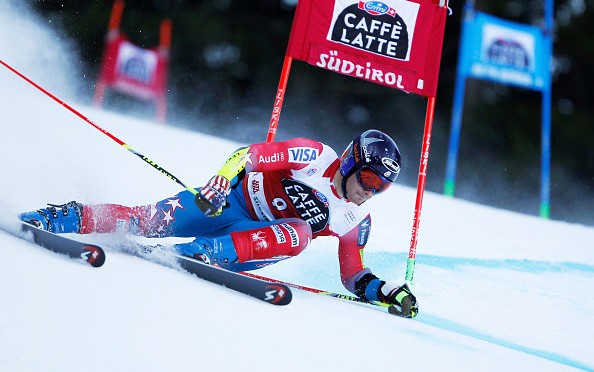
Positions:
{"x": 234, "y": 168}
{"x": 270, "y": 156}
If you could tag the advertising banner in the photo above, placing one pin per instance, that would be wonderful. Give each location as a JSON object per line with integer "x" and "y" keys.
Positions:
{"x": 133, "y": 70}
{"x": 505, "y": 52}
{"x": 396, "y": 43}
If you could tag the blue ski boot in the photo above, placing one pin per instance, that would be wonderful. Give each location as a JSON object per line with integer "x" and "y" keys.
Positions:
{"x": 217, "y": 251}
{"x": 66, "y": 218}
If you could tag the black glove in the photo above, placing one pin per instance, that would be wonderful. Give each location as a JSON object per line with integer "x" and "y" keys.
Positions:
{"x": 401, "y": 297}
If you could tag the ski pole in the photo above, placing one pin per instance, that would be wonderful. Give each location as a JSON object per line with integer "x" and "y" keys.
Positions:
{"x": 114, "y": 138}
{"x": 391, "y": 309}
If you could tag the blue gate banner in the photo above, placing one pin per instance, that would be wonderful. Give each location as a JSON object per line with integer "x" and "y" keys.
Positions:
{"x": 505, "y": 52}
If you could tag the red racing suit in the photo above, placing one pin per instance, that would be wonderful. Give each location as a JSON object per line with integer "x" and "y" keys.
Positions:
{"x": 295, "y": 179}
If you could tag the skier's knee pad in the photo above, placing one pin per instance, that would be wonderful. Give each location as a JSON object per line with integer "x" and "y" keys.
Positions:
{"x": 286, "y": 238}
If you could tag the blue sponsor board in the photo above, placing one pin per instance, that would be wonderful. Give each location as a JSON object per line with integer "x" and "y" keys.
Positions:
{"x": 505, "y": 52}
{"x": 508, "y": 53}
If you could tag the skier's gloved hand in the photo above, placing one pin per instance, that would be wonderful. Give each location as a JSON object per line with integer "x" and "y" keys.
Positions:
{"x": 401, "y": 297}
{"x": 212, "y": 198}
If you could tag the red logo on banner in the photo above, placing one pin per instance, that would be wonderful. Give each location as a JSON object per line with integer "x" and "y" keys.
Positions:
{"x": 392, "y": 42}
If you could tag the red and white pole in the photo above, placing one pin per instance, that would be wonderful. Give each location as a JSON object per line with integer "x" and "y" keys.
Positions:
{"x": 278, "y": 100}
{"x": 424, "y": 163}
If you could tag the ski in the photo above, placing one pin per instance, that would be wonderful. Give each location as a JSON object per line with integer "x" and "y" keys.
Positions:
{"x": 89, "y": 253}
{"x": 273, "y": 293}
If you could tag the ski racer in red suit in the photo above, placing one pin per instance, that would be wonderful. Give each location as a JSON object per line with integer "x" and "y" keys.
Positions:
{"x": 265, "y": 205}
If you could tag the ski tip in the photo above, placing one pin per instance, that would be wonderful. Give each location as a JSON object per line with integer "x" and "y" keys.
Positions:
{"x": 278, "y": 294}
{"x": 93, "y": 254}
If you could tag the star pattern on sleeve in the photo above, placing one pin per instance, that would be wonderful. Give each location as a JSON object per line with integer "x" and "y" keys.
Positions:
{"x": 168, "y": 217}
{"x": 174, "y": 203}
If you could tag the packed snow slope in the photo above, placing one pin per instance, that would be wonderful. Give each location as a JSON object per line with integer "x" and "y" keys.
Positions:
{"x": 497, "y": 290}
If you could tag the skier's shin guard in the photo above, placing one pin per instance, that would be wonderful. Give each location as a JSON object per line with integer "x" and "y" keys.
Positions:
{"x": 281, "y": 240}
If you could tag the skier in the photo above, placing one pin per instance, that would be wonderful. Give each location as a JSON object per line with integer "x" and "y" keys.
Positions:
{"x": 265, "y": 205}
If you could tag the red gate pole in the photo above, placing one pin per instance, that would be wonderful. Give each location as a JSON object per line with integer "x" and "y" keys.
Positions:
{"x": 112, "y": 33}
{"x": 278, "y": 100}
{"x": 412, "y": 254}
{"x": 164, "y": 47}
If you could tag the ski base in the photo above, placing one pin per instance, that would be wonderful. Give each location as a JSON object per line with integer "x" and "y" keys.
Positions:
{"x": 89, "y": 253}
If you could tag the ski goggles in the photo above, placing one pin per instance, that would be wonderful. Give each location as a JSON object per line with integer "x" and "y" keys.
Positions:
{"x": 370, "y": 180}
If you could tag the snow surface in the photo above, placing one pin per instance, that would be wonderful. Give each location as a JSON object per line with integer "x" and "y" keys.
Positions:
{"x": 497, "y": 290}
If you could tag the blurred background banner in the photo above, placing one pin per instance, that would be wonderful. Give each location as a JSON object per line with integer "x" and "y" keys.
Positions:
{"x": 507, "y": 53}
{"x": 130, "y": 69}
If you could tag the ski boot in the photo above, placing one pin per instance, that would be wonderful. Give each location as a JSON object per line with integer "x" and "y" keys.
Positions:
{"x": 212, "y": 251}
{"x": 65, "y": 218}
